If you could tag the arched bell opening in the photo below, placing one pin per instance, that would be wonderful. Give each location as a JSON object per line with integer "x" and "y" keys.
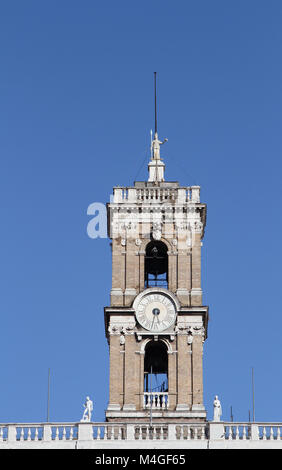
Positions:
{"x": 156, "y": 265}
{"x": 156, "y": 375}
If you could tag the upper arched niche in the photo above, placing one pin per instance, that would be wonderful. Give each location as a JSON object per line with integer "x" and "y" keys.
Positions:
{"x": 156, "y": 264}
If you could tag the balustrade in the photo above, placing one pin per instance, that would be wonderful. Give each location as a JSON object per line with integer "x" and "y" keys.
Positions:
{"x": 157, "y": 194}
{"x": 191, "y": 432}
{"x": 156, "y": 400}
{"x": 270, "y": 432}
{"x": 237, "y": 431}
{"x": 154, "y": 432}
{"x": 29, "y": 434}
{"x": 109, "y": 432}
{"x": 252, "y": 431}
{"x": 64, "y": 432}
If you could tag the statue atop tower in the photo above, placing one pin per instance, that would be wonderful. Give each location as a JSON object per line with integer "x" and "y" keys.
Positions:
{"x": 156, "y": 147}
{"x": 156, "y": 166}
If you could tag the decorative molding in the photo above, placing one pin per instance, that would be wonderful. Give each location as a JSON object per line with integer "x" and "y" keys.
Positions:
{"x": 190, "y": 330}
{"x": 119, "y": 329}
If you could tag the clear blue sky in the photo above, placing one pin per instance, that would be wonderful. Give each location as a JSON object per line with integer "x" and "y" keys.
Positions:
{"x": 76, "y": 91}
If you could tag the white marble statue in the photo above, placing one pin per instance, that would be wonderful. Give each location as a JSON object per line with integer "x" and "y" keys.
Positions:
{"x": 88, "y": 408}
{"x": 156, "y": 147}
{"x": 217, "y": 410}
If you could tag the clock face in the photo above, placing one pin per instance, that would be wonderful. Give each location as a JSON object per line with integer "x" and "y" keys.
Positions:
{"x": 155, "y": 312}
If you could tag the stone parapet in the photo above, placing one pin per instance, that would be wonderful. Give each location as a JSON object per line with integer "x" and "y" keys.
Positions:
{"x": 121, "y": 435}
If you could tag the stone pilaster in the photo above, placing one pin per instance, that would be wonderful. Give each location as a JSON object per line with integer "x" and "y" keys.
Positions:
{"x": 116, "y": 373}
{"x": 118, "y": 273}
{"x": 183, "y": 373}
{"x": 172, "y": 379}
{"x": 196, "y": 291}
{"x": 131, "y": 378}
{"x": 131, "y": 272}
{"x": 172, "y": 272}
{"x": 197, "y": 360}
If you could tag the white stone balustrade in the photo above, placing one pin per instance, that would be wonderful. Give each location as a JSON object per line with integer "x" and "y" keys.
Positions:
{"x": 156, "y": 400}
{"x": 154, "y": 432}
{"x": 253, "y": 431}
{"x": 191, "y": 432}
{"x": 157, "y": 194}
{"x": 220, "y": 435}
{"x": 108, "y": 431}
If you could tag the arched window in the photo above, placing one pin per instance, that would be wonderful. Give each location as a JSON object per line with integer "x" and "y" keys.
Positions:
{"x": 156, "y": 265}
{"x": 156, "y": 367}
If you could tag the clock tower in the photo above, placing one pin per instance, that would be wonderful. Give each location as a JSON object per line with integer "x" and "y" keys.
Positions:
{"x": 156, "y": 324}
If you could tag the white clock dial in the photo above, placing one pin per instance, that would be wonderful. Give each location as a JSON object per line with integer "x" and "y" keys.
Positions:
{"x": 155, "y": 312}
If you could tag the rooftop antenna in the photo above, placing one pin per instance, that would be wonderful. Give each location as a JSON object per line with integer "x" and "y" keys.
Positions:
{"x": 253, "y": 394}
{"x": 48, "y": 397}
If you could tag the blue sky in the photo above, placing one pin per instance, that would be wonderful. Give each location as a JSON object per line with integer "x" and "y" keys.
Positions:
{"x": 76, "y": 109}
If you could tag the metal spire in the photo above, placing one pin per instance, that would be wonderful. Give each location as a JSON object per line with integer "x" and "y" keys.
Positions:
{"x": 156, "y": 166}
{"x": 155, "y": 80}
